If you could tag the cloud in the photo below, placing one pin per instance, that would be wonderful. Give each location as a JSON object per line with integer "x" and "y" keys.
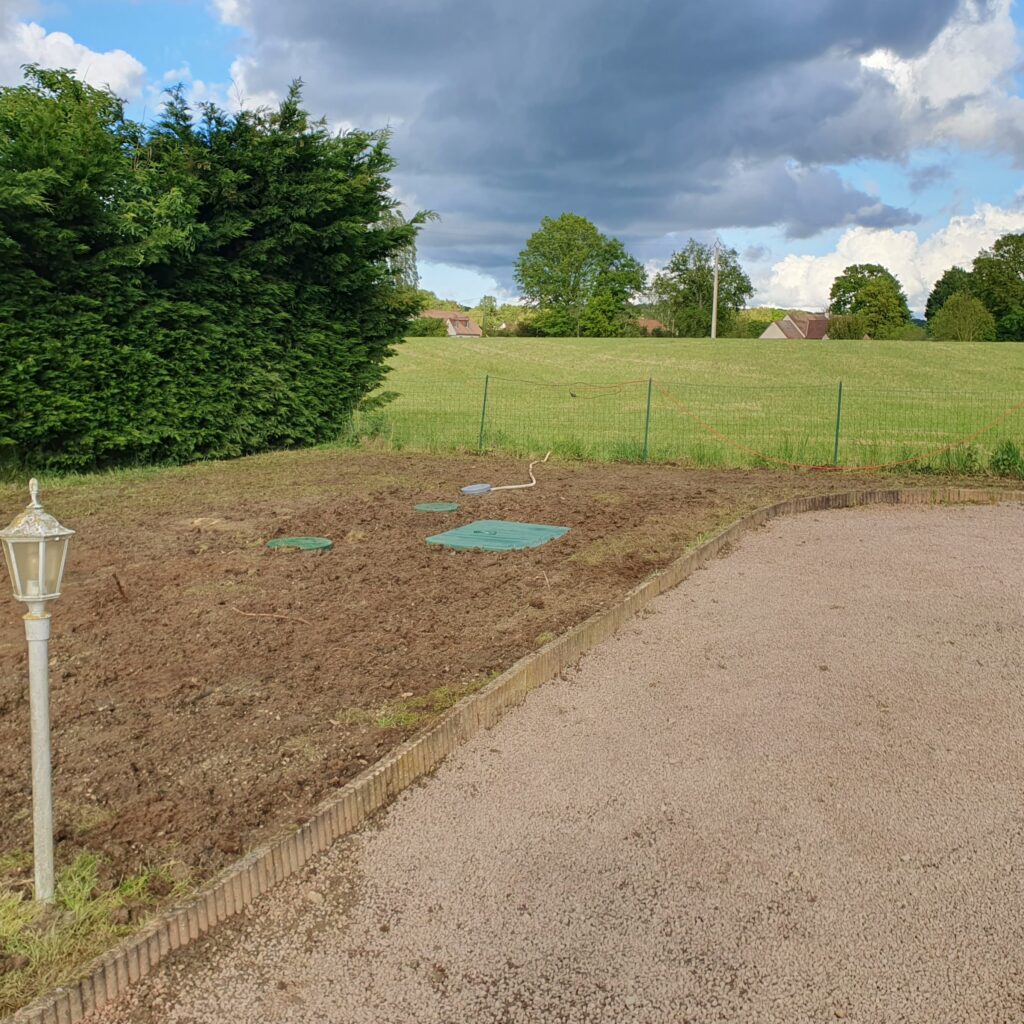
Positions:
{"x": 24, "y": 42}
{"x": 922, "y": 178}
{"x": 230, "y": 12}
{"x": 655, "y": 117}
{"x": 804, "y": 282}
{"x": 960, "y": 89}
{"x": 196, "y": 90}
{"x": 805, "y": 200}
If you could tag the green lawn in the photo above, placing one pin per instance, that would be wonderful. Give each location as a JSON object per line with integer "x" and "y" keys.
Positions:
{"x": 728, "y": 402}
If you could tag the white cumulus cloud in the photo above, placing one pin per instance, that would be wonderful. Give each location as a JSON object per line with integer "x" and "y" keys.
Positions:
{"x": 961, "y": 88}
{"x": 804, "y": 282}
{"x": 230, "y": 12}
{"x": 243, "y": 92}
{"x": 24, "y": 42}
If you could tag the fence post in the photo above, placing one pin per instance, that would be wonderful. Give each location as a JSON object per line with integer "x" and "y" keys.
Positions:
{"x": 839, "y": 422}
{"x": 647, "y": 420}
{"x": 483, "y": 411}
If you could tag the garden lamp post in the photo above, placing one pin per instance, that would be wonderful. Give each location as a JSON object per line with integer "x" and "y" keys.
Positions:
{"x": 36, "y": 548}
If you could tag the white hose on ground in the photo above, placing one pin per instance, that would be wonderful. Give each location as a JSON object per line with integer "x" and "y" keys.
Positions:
{"x": 533, "y": 479}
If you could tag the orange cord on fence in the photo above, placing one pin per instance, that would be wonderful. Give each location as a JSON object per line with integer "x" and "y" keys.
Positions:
{"x": 578, "y": 385}
{"x": 826, "y": 467}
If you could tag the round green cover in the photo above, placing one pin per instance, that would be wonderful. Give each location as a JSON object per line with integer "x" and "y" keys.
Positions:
{"x": 437, "y": 506}
{"x": 302, "y": 543}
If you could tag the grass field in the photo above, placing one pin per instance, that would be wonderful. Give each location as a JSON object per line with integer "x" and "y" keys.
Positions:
{"x": 728, "y": 402}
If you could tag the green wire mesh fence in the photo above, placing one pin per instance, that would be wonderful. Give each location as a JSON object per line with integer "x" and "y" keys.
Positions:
{"x": 701, "y": 424}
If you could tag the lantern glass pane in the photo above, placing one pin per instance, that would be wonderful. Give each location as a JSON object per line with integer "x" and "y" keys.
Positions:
{"x": 26, "y": 565}
{"x": 53, "y": 564}
{"x": 12, "y": 570}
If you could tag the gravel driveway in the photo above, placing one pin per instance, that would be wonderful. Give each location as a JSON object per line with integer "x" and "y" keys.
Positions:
{"x": 790, "y": 792}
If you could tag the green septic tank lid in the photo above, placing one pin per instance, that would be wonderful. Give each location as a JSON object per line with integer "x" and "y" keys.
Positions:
{"x": 498, "y": 535}
{"x": 302, "y": 543}
{"x": 437, "y": 506}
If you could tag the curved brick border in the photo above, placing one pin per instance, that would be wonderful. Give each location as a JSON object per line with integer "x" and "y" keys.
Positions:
{"x": 108, "y": 977}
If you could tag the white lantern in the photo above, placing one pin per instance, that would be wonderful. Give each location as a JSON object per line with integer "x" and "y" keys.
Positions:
{"x": 36, "y": 549}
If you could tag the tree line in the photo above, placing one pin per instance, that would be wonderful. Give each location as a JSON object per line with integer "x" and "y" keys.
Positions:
{"x": 209, "y": 285}
{"x": 581, "y": 283}
{"x": 984, "y": 303}
{"x": 577, "y": 282}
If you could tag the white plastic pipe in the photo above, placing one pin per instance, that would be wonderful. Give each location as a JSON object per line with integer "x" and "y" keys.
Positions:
{"x": 533, "y": 479}
{"x": 37, "y": 632}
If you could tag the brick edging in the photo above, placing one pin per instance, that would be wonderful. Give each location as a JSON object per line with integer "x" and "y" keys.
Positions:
{"x": 109, "y": 977}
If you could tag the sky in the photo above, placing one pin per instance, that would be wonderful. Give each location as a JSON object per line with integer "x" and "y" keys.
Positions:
{"x": 807, "y": 134}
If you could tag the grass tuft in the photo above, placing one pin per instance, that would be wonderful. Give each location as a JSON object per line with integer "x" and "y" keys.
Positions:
{"x": 44, "y": 946}
{"x": 410, "y": 713}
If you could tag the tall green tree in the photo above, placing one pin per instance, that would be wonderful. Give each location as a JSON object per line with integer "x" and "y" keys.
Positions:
{"x": 998, "y": 275}
{"x": 873, "y": 297}
{"x": 75, "y": 218}
{"x": 580, "y": 281}
{"x": 214, "y": 285}
{"x": 682, "y": 293}
{"x": 953, "y": 280}
{"x": 963, "y": 317}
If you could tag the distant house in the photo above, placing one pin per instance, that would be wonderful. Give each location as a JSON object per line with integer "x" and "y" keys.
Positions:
{"x": 649, "y": 326}
{"x": 458, "y": 324}
{"x": 809, "y": 326}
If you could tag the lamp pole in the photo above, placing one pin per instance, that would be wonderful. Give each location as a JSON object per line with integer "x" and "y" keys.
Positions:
{"x": 714, "y": 296}
{"x": 36, "y": 548}
{"x": 37, "y": 633}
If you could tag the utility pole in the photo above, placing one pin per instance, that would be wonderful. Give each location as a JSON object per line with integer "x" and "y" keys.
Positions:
{"x": 714, "y": 296}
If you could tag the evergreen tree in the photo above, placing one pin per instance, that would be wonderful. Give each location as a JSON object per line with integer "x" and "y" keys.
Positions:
{"x": 212, "y": 286}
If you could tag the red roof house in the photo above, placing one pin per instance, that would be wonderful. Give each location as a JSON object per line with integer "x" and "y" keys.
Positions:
{"x": 649, "y": 326}
{"x": 799, "y": 326}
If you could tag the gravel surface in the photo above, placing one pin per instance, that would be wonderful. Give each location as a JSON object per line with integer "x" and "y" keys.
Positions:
{"x": 789, "y": 792}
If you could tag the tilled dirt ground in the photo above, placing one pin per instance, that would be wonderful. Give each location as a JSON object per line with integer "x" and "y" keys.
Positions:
{"x": 208, "y": 691}
{"x": 789, "y": 793}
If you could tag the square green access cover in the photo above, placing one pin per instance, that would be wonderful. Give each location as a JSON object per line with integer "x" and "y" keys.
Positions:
{"x": 497, "y": 535}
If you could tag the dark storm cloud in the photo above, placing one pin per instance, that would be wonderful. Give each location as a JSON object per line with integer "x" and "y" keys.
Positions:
{"x": 649, "y": 117}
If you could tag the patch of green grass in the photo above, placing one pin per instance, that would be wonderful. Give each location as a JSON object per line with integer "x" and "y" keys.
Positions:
{"x": 400, "y": 715}
{"x": 14, "y": 861}
{"x": 1007, "y": 460}
{"x": 411, "y": 712}
{"x": 722, "y": 403}
{"x": 43, "y": 946}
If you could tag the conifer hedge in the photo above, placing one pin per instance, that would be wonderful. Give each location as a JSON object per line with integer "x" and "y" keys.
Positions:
{"x": 207, "y": 286}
